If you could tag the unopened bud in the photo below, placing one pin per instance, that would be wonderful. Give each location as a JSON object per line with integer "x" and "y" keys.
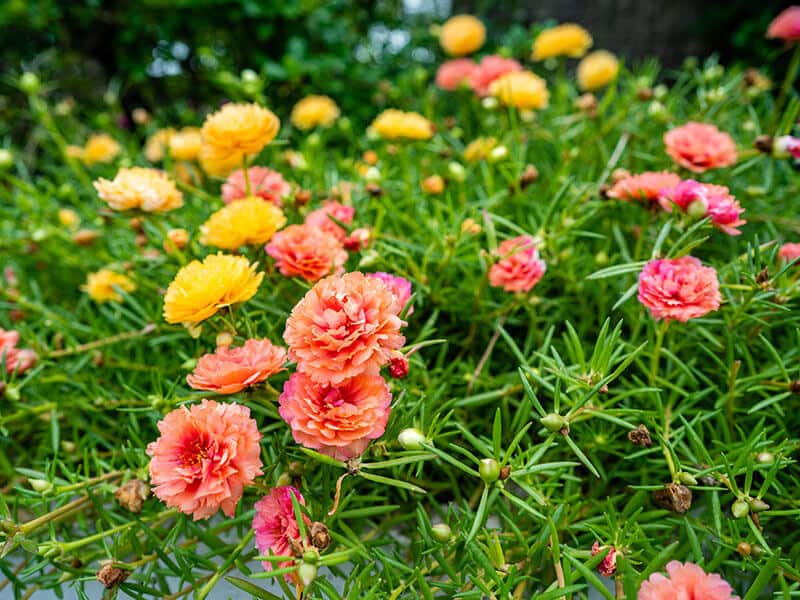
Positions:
{"x": 6, "y": 158}
{"x": 490, "y": 103}
{"x": 411, "y": 439}
{"x": 442, "y": 532}
{"x": 457, "y": 171}
{"x": 697, "y": 209}
{"x": 311, "y": 556}
{"x": 40, "y": 485}
{"x": 554, "y": 422}
{"x": 224, "y": 339}
{"x": 740, "y": 508}
{"x": 307, "y": 573}
{"x": 686, "y": 478}
{"x": 489, "y": 470}
{"x": 372, "y": 174}
{"x": 302, "y": 197}
{"x": 758, "y": 505}
{"x": 744, "y": 548}
{"x": 30, "y": 83}
{"x": 497, "y": 154}
{"x": 398, "y": 366}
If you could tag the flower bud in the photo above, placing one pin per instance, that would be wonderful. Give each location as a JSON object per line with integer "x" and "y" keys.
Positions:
{"x": 411, "y": 439}
{"x": 40, "y": 485}
{"x": 457, "y": 171}
{"x": 311, "y": 556}
{"x": 490, "y": 103}
{"x": 489, "y": 470}
{"x": 686, "y": 478}
{"x": 314, "y": 140}
{"x": 6, "y": 158}
{"x": 498, "y": 153}
{"x": 740, "y": 508}
{"x": 307, "y": 573}
{"x": 433, "y": 184}
{"x": 758, "y": 505}
{"x": 284, "y": 479}
{"x": 30, "y": 83}
{"x": 744, "y": 548}
{"x": 442, "y": 532}
{"x": 765, "y": 458}
{"x": 224, "y": 339}
{"x": 697, "y": 209}
{"x": 554, "y": 422}
{"x": 398, "y": 366}
{"x": 372, "y": 174}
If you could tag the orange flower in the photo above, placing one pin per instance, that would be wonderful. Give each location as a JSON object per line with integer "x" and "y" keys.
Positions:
{"x": 462, "y": 34}
{"x": 230, "y": 370}
{"x": 306, "y": 251}
{"x": 700, "y": 147}
{"x": 519, "y": 267}
{"x": 644, "y": 186}
{"x": 678, "y": 289}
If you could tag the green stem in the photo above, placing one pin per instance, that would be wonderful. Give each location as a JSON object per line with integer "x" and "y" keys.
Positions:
{"x": 788, "y": 82}
{"x": 247, "y": 189}
{"x": 654, "y": 359}
{"x": 225, "y": 566}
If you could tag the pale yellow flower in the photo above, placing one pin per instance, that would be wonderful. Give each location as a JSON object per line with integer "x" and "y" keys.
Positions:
{"x": 479, "y": 149}
{"x": 568, "y": 39}
{"x": 245, "y": 222}
{"x": 149, "y": 190}
{"x": 597, "y": 70}
{"x": 186, "y": 144}
{"x": 157, "y": 143}
{"x": 461, "y": 35}
{"x": 101, "y": 286}
{"x": 314, "y": 111}
{"x": 522, "y": 89}
{"x": 394, "y": 124}
{"x": 100, "y": 148}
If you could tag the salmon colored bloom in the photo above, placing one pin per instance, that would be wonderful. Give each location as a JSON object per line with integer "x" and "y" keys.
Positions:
{"x": 200, "y": 289}
{"x": 567, "y": 39}
{"x": 462, "y": 34}
{"x": 275, "y": 526}
{"x": 321, "y": 218}
{"x": 345, "y": 326}
{"x": 230, "y": 370}
{"x": 646, "y": 186}
{"x": 700, "y": 147}
{"x": 100, "y": 148}
{"x": 314, "y": 111}
{"x": 786, "y": 26}
{"x": 490, "y": 68}
{"x": 246, "y": 222}
{"x": 339, "y": 421}
{"x": 708, "y": 200}
{"x": 789, "y": 252}
{"x": 685, "y": 581}
{"x": 393, "y": 124}
{"x": 519, "y": 267}
{"x": 104, "y": 286}
{"x": 678, "y": 289}
{"x": 596, "y": 70}
{"x": 521, "y": 89}
{"x": 306, "y": 251}
{"x": 186, "y": 144}
{"x": 16, "y": 359}
{"x": 204, "y": 458}
{"x": 479, "y": 149}
{"x": 264, "y": 183}
{"x": 399, "y": 286}
{"x": 149, "y": 190}
{"x": 454, "y": 74}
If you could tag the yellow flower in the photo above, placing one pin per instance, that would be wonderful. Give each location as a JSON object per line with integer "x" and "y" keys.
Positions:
{"x": 462, "y": 34}
{"x": 249, "y": 221}
{"x": 479, "y": 149}
{"x": 233, "y": 132}
{"x": 200, "y": 289}
{"x": 68, "y": 217}
{"x": 394, "y": 124}
{"x": 314, "y": 111}
{"x": 186, "y": 144}
{"x": 597, "y": 70}
{"x": 100, "y": 148}
{"x": 149, "y": 190}
{"x": 568, "y": 39}
{"x": 73, "y": 151}
{"x": 156, "y": 144}
{"x": 433, "y": 184}
{"x": 522, "y": 89}
{"x": 101, "y": 286}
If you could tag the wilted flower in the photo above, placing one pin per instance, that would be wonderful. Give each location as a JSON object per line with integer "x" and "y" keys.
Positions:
{"x": 678, "y": 289}
{"x": 685, "y": 581}
{"x": 264, "y": 183}
{"x": 100, "y": 148}
{"x": 246, "y": 222}
{"x": 462, "y": 34}
{"x": 490, "y": 68}
{"x": 786, "y": 26}
{"x": 321, "y": 218}
{"x": 597, "y": 69}
{"x": 149, "y": 190}
{"x": 200, "y": 289}
{"x": 16, "y": 359}
{"x": 230, "y": 370}
{"x": 399, "y": 286}
{"x": 393, "y": 124}
{"x": 338, "y": 420}
{"x": 275, "y": 526}
{"x": 343, "y": 327}
{"x": 104, "y": 286}
{"x": 186, "y": 144}
{"x": 479, "y": 149}
{"x": 645, "y": 186}
{"x": 789, "y": 252}
{"x": 233, "y": 133}
{"x": 608, "y": 566}
{"x": 519, "y": 267}
{"x": 714, "y": 201}
{"x": 700, "y": 147}
{"x": 453, "y": 74}
{"x": 567, "y": 39}
{"x": 314, "y": 111}
{"x": 306, "y": 251}
{"x": 521, "y": 89}
{"x": 205, "y": 457}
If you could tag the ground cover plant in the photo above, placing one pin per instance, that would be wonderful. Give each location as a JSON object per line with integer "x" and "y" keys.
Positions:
{"x": 531, "y": 332}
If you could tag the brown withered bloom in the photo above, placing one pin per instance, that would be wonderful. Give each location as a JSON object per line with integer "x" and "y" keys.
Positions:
{"x": 505, "y": 473}
{"x": 302, "y": 197}
{"x": 132, "y": 495}
{"x": 111, "y": 576}
{"x": 640, "y": 437}
{"x": 675, "y": 497}
{"x": 644, "y": 94}
{"x": 374, "y": 190}
{"x": 794, "y": 387}
{"x": 320, "y": 537}
{"x": 764, "y": 144}
{"x": 529, "y": 175}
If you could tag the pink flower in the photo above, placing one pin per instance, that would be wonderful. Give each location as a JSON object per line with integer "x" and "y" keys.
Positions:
{"x": 340, "y": 212}
{"x": 452, "y": 74}
{"x": 608, "y": 566}
{"x": 714, "y": 201}
{"x": 490, "y": 68}
{"x": 399, "y": 286}
{"x": 678, "y": 289}
{"x": 786, "y": 26}
{"x": 644, "y": 186}
{"x": 700, "y": 147}
{"x": 686, "y": 581}
{"x": 789, "y": 252}
{"x": 343, "y": 327}
{"x": 787, "y": 144}
{"x": 306, "y": 251}
{"x": 229, "y": 370}
{"x": 340, "y": 420}
{"x": 358, "y": 239}
{"x": 264, "y": 183}
{"x": 205, "y": 457}
{"x": 16, "y": 359}
{"x": 275, "y": 525}
{"x": 519, "y": 267}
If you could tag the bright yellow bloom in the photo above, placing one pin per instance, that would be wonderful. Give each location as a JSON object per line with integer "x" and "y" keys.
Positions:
{"x": 157, "y": 143}
{"x": 597, "y": 70}
{"x": 186, "y": 144}
{"x": 100, "y": 147}
{"x": 200, "y": 289}
{"x": 522, "y": 89}
{"x": 68, "y": 217}
{"x": 461, "y": 35}
{"x": 234, "y": 132}
{"x": 149, "y": 190}
{"x": 394, "y": 124}
{"x": 314, "y": 111}
{"x": 568, "y": 39}
{"x": 245, "y": 222}
{"x": 101, "y": 286}
{"x": 479, "y": 149}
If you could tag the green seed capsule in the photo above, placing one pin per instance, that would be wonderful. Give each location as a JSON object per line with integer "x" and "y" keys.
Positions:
{"x": 489, "y": 470}
{"x": 442, "y": 532}
{"x": 740, "y": 509}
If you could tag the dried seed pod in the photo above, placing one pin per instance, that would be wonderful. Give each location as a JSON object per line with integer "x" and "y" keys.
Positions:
{"x": 640, "y": 437}
{"x": 505, "y": 473}
{"x": 764, "y": 144}
{"x": 320, "y": 537}
{"x": 132, "y": 495}
{"x": 111, "y": 576}
{"x": 675, "y": 497}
